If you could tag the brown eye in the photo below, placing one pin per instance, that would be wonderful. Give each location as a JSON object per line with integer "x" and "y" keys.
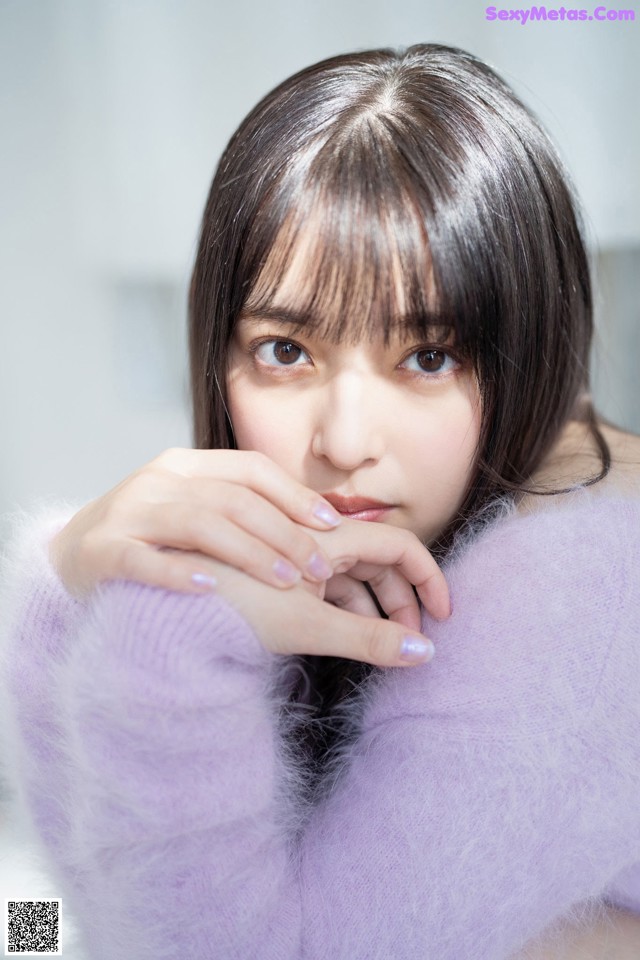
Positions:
{"x": 431, "y": 361}
{"x": 436, "y": 362}
{"x": 286, "y": 352}
{"x": 280, "y": 353}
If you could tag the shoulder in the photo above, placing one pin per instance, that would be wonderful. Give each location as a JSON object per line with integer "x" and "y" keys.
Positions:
{"x": 28, "y": 581}
{"x": 576, "y": 552}
{"x": 576, "y": 456}
{"x": 540, "y": 602}
{"x": 584, "y": 528}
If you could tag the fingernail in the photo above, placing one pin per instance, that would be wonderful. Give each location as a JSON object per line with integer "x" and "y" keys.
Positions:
{"x": 318, "y": 567}
{"x": 203, "y": 580}
{"x": 286, "y": 571}
{"x": 327, "y": 515}
{"x": 417, "y": 649}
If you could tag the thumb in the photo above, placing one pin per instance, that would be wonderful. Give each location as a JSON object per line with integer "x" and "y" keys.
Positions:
{"x": 340, "y": 633}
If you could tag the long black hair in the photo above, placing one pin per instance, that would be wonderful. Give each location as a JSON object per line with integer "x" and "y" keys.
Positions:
{"x": 420, "y": 163}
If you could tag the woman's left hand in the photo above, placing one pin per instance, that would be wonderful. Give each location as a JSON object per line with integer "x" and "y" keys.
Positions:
{"x": 339, "y": 618}
{"x": 360, "y": 555}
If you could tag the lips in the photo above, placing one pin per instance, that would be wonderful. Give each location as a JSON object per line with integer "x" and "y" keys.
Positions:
{"x": 359, "y": 508}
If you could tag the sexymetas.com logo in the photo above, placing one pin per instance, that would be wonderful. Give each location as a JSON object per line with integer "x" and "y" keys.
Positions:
{"x": 532, "y": 14}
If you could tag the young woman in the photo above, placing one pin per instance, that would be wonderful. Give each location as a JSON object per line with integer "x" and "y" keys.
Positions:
{"x": 390, "y": 323}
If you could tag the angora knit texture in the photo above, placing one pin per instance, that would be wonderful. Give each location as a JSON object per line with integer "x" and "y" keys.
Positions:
{"x": 479, "y": 798}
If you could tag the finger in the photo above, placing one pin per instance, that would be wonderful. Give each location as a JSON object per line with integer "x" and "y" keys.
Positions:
{"x": 166, "y": 567}
{"x": 340, "y": 633}
{"x": 384, "y": 545}
{"x": 223, "y": 541}
{"x": 393, "y": 592}
{"x": 349, "y": 594}
{"x": 311, "y": 625}
{"x": 260, "y": 473}
{"x": 260, "y": 518}
{"x": 193, "y": 523}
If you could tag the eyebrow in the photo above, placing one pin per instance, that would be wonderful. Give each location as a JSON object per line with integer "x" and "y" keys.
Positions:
{"x": 292, "y": 318}
{"x": 423, "y": 323}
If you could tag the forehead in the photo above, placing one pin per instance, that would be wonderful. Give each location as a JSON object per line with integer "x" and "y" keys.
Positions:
{"x": 348, "y": 274}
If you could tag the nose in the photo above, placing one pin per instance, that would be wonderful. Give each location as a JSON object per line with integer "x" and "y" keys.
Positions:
{"x": 349, "y": 428}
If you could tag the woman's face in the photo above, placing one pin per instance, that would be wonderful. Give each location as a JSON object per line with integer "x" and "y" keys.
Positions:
{"x": 396, "y": 423}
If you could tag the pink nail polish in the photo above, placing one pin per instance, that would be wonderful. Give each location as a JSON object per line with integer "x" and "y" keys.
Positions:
{"x": 203, "y": 580}
{"x": 286, "y": 572}
{"x": 414, "y": 648}
{"x": 318, "y": 567}
{"x": 327, "y": 515}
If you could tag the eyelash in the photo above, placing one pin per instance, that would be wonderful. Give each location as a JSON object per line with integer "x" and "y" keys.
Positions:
{"x": 450, "y": 354}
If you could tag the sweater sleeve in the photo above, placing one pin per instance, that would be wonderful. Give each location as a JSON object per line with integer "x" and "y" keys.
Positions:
{"x": 37, "y": 616}
{"x": 145, "y": 756}
{"x": 485, "y": 795}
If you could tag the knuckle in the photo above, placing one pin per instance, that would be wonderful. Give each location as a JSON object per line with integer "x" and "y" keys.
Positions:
{"x": 168, "y": 456}
{"x": 408, "y": 536}
{"x": 236, "y": 500}
{"x": 377, "y": 644}
{"x": 154, "y": 488}
{"x": 303, "y": 544}
{"x": 411, "y": 541}
{"x": 87, "y": 549}
{"x": 169, "y": 572}
{"x": 258, "y": 462}
{"x": 126, "y": 561}
{"x": 136, "y": 489}
{"x": 382, "y": 576}
{"x": 101, "y": 556}
{"x": 175, "y": 460}
{"x": 136, "y": 483}
{"x": 190, "y": 523}
{"x": 115, "y": 509}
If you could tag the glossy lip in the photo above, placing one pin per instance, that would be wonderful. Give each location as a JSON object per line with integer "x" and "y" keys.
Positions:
{"x": 358, "y": 508}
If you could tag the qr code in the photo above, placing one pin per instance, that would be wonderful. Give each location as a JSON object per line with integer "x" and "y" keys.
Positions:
{"x": 33, "y": 927}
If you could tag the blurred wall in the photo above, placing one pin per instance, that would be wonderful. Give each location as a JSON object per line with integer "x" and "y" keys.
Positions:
{"x": 112, "y": 117}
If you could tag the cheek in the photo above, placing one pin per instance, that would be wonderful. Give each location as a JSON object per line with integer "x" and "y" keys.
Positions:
{"x": 446, "y": 451}
{"x": 443, "y": 464}
{"x": 261, "y": 423}
{"x": 446, "y": 458}
{"x": 464, "y": 437}
{"x": 451, "y": 436}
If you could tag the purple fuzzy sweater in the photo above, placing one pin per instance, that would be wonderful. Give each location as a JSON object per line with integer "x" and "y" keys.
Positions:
{"x": 477, "y": 800}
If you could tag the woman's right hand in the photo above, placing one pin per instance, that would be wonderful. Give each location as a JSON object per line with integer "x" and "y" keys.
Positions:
{"x": 233, "y": 505}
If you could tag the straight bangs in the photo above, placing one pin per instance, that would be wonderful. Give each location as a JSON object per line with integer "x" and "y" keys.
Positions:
{"x": 340, "y": 246}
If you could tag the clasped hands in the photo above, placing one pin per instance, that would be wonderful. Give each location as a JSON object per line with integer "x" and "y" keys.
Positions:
{"x": 239, "y": 518}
